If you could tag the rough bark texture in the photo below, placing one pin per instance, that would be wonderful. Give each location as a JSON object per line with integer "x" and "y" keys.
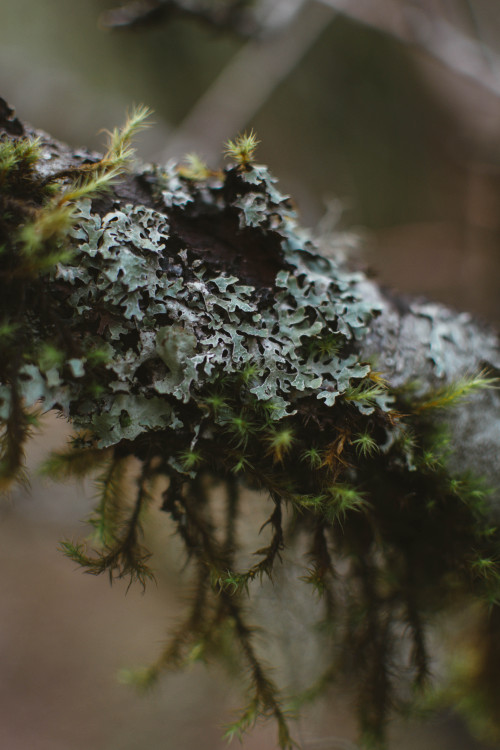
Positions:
{"x": 428, "y": 343}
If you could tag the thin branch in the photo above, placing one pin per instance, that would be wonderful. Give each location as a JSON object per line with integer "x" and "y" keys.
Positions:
{"x": 464, "y": 56}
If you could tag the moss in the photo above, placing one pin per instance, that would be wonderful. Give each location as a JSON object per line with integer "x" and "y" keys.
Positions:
{"x": 204, "y": 336}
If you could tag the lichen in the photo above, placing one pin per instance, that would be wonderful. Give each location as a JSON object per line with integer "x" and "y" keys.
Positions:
{"x": 174, "y": 326}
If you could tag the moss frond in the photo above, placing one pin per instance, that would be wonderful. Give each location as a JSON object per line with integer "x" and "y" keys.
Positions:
{"x": 17, "y": 161}
{"x": 344, "y": 499}
{"x": 117, "y": 530}
{"x": 242, "y": 465}
{"x": 365, "y": 392}
{"x": 190, "y": 459}
{"x": 232, "y": 582}
{"x": 42, "y": 239}
{"x": 242, "y": 429}
{"x": 265, "y": 698}
{"x": 312, "y": 457}
{"x": 280, "y": 442}
{"x": 90, "y": 185}
{"x": 111, "y": 507}
{"x": 487, "y": 568}
{"x": 194, "y": 169}
{"x": 328, "y": 345}
{"x": 89, "y": 181}
{"x": 77, "y": 461}
{"x": 15, "y": 429}
{"x": 456, "y": 391}
{"x": 120, "y": 150}
{"x": 119, "y": 563}
{"x": 216, "y": 403}
{"x": 242, "y": 149}
{"x": 365, "y": 444}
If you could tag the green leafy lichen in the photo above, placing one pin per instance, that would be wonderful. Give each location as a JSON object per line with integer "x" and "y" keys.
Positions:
{"x": 212, "y": 325}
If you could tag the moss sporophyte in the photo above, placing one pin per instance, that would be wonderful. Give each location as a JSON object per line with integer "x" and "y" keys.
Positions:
{"x": 200, "y": 334}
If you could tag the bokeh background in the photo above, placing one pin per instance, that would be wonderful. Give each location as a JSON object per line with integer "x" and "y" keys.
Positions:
{"x": 382, "y": 120}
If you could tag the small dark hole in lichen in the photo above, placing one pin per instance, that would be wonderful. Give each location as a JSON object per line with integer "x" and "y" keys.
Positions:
{"x": 252, "y": 254}
{"x": 125, "y": 419}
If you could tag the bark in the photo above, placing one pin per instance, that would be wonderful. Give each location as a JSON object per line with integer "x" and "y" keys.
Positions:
{"x": 422, "y": 341}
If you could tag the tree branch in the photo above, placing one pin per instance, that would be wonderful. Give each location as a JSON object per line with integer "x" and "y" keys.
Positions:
{"x": 184, "y": 318}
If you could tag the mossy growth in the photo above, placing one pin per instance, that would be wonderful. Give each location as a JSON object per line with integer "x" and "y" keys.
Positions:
{"x": 203, "y": 337}
{"x": 36, "y": 215}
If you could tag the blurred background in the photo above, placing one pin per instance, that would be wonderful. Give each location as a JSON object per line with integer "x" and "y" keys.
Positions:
{"x": 382, "y": 120}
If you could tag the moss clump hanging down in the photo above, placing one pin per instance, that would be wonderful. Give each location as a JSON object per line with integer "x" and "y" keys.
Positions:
{"x": 200, "y": 333}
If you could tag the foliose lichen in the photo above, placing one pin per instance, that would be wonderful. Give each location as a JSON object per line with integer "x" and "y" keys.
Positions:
{"x": 170, "y": 325}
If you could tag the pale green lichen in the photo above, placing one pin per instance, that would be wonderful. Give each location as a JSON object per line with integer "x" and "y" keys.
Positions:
{"x": 212, "y": 324}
